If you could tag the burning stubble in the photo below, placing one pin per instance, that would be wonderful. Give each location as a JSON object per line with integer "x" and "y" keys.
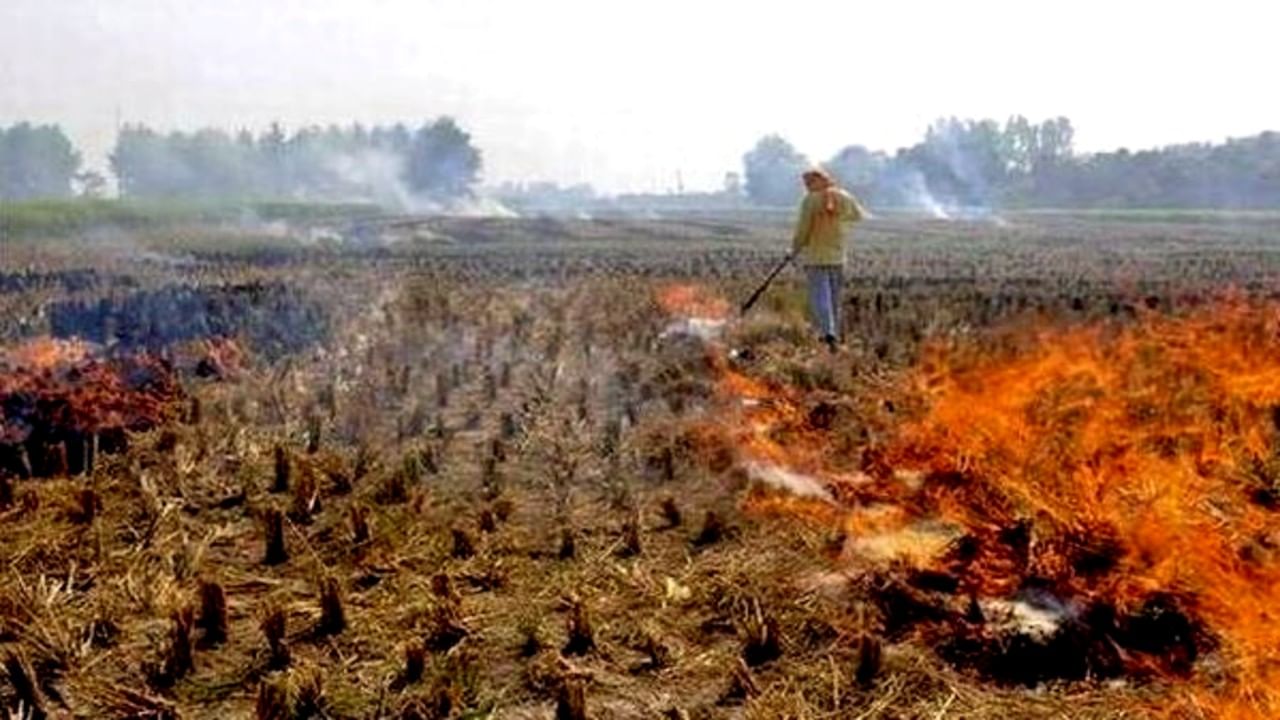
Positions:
{"x": 815, "y": 500}
{"x": 64, "y": 404}
{"x": 1097, "y": 484}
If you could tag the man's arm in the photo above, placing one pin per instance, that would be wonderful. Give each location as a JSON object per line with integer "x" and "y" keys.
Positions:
{"x": 854, "y": 212}
{"x": 804, "y": 224}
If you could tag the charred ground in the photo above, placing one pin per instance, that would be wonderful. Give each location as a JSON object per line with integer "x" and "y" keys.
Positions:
{"x": 451, "y": 467}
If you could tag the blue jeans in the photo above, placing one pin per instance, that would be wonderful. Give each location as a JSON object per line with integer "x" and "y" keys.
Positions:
{"x": 826, "y": 282}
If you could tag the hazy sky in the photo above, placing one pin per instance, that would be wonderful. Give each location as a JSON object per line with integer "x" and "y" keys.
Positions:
{"x": 625, "y": 94}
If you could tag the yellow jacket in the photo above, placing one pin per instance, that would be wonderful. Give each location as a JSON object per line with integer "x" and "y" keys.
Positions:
{"x": 820, "y": 236}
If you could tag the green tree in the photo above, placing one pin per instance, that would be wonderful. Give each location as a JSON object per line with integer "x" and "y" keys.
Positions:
{"x": 858, "y": 169}
{"x": 772, "y": 170}
{"x": 92, "y": 184}
{"x": 36, "y": 162}
{"x": 442, "y": 163}
{"x": 965, "y": 161}
{"x": 273, "y": 156}
{"x": 220, "y": 167}
{"x": 1056, "y": 144}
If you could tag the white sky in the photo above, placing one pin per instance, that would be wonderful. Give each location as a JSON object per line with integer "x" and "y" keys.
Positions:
{"x": 625, "y": 94}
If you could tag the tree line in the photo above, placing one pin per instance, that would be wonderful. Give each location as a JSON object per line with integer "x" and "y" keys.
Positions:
{"x": 957, "y": 164}
{"x": 984, "y": 164}
{"x": 36, "y": 161}
{"x": 436, "y": 161}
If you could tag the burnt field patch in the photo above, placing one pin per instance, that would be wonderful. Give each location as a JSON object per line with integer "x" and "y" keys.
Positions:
{"x": 487, "y": 475}
{"x": 68, "y": 281}
{"x": 275, "y": 319}
{"x": 60, "y": 406}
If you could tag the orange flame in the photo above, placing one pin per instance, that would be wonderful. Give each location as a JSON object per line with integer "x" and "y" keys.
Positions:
{"x": 59, "y": 386}
{"x": 45, "y": 352}
{"x": 1156, "y": 443}
{"x": 1159, "y": 437}
{"x": 692, "y": 301}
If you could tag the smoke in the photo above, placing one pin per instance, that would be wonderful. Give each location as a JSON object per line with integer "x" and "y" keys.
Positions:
{"x": 379, "y": 176}
{"x": 478, "y": 206}
{"x": 113, "y": 243}
{"x": 1036, "y": 614}
{"x": 375, "y": 175}
{"x": 911, "y": 188}
{"x": 163, "y": 259}
{"x": 915, "y": 192}
{"x": 705, "y": 329}
{"x": 790, "y": 481}
{"x": 970, "y": 185}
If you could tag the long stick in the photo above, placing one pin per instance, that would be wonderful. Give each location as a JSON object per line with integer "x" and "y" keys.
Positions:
{"x": 767, "y": 281}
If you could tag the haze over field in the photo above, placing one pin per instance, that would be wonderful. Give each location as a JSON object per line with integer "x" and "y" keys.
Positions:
{"x": 506, "y": 359}
{"x": 626, "y": 96}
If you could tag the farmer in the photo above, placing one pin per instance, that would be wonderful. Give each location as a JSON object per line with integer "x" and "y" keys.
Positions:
{"x": 819, "y": 246}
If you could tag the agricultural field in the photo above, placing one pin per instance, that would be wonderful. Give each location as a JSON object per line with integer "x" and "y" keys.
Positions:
{"x": 293, "y": 464}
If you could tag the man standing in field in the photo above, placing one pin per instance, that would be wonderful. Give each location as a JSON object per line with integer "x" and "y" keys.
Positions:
{"x": 819, "y": 246}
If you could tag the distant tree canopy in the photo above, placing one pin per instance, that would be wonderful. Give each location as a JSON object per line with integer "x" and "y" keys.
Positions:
{"x": 957, "y": 164}
{"x": 36, "y": 162}
{"x": 385, "y": 164}
{"x": 772, "y": 170}
{"x": 442, "y": 161}
{"x": 981, "y": 163}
